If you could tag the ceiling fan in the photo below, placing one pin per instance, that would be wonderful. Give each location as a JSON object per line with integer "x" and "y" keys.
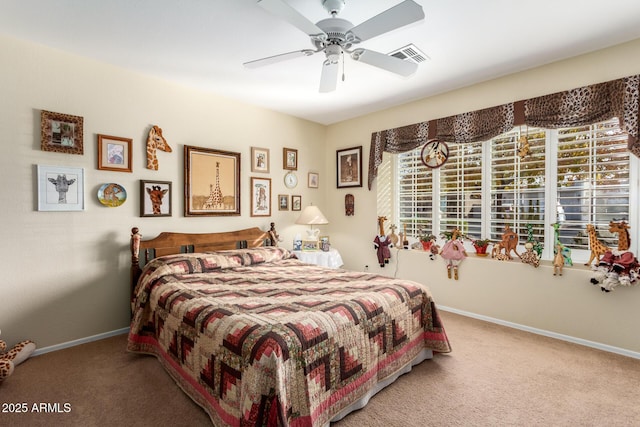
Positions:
{"x": 335, "y": 36}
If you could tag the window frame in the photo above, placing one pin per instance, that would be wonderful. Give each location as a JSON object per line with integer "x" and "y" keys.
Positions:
{"x": 550, "y": 196}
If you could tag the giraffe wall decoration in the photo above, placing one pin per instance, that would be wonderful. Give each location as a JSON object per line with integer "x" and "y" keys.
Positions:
{"x": 215, "y": 199}
{"x": 156, "y": 194}
{"x": 155, "y": 141}
{"x": 62, "y": 187}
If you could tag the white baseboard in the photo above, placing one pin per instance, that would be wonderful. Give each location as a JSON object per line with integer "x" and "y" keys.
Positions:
{"x": 74, "y": 343}
{"x": 586, "y": 343}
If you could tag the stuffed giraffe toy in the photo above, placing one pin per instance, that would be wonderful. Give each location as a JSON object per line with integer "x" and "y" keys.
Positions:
{"x": 622, "y": 229}
{"x": 12, "y": 358}
{"x": 155, "y": 141}
{"x": 598, "y": 249}
{"x": 559, "y": 247}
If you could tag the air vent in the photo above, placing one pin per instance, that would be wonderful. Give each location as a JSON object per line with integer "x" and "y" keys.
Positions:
{"x": 410, "y": 52}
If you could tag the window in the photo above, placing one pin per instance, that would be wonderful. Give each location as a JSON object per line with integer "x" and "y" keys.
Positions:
{"x": 574, "y": 176}
{"x": 518, "y": 184}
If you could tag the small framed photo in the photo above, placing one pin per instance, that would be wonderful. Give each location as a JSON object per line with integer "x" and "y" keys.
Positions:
{"x": 296, "y": 203}
{"x": 114, "y": 153}
{"x": 349, "y": 167}
{"x": 61, "y": 133}
{"x": 283, "y": 202}
{"x": 297, "y": 244}
{"x": 325, "y": 246}
{"x": 259, "y": 159}
{"x": 60, "y": 188}
{"x": 211, "y": 182}
{"x": 155, "y": 198}
{"x": 309, "y": 245}
{"x": 313, "y": 179}
{"x": 260, "y": 196}
{"x": 290, "y": 159}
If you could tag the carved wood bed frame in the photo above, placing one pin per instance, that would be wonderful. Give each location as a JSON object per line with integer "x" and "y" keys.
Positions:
{"x": 168, "y": 243}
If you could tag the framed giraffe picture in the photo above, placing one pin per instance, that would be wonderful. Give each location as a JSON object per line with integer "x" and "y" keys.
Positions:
{"x": 212, "y": 182}
{"x": 155, "y": 198}
{"x": 60, "y": 188}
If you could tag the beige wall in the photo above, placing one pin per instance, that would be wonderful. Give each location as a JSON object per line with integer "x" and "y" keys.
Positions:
{"x": 511, "y": 292}
{"x": 65, "y": 274}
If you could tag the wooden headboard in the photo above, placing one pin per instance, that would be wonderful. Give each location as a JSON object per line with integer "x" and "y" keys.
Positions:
{"x": 175, "y": 243}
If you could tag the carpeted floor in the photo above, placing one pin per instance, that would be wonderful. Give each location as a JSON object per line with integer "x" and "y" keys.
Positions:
{"x": 495, "y": 376}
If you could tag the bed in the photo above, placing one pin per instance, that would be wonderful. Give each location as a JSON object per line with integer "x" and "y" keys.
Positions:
{"x": 256, "y": 337}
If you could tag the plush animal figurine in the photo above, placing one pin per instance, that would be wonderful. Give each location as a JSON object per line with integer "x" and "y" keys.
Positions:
{"x": 558, "y": 260}
{"x": 598, "y": 248}
{"x": 453, "y": 253}
{"x": 382, "y": 244}
{"x": 12, "y": 358}
{"x": 508, "y": 243}
{"x": 529, "y": 256}
{"x": 559, "y": 247}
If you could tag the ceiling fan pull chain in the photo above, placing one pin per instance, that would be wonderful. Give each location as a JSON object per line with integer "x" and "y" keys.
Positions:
{"x": 342, "y": 66}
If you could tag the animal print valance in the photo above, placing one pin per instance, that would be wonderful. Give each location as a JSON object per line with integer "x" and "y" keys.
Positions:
{"x": 581, "y": 106}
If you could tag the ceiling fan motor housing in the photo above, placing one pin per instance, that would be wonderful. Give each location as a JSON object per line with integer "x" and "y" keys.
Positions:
{"x": 337, "y": 31}
{"x": 333, "y": 6}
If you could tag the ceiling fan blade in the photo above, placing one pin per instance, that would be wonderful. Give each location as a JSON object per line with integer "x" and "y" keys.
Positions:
{"x": 386, "y": 62}
{"x": 329, "y": 76}
{"x": 295, "y": 18}
{"x": 278, "y": 58}
{"x": 402, "y": 14}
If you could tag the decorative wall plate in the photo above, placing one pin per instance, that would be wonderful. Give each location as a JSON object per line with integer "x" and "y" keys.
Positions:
{"x": 112, "y": 195}
{"x": 290, "y": 180}
{"x": 434, "y": 154}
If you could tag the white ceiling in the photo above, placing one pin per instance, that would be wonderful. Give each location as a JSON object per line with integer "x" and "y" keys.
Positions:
{"x": 203, "y": 44}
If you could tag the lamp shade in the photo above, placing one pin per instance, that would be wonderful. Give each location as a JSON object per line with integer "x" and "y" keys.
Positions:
{"x": 311, "y": 215}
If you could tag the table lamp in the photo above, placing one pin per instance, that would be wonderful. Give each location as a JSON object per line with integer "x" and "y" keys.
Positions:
{"x": 311, "y": 216}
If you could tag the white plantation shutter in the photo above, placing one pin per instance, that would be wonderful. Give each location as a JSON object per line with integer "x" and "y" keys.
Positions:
{"x": 461, "y": 189}
{"x": 518, "y": 184}
{"x": 415, "y": 194}
{"x": 593, "y": 181}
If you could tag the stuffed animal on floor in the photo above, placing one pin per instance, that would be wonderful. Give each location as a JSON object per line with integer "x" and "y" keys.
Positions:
{"x": 12, "y": 358}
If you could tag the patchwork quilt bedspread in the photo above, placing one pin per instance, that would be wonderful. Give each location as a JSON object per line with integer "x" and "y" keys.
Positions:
{"x": 256, "y": 337}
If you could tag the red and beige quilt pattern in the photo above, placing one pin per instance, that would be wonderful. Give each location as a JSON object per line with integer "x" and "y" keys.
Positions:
{"x": 258, "y": 338}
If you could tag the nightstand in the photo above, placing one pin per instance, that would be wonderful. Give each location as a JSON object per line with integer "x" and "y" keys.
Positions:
{"x": 331, "y": 258}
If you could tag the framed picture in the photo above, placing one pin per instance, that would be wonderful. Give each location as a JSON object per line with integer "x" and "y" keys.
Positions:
{"x": 297, "y": 244}
{"x": 260, "y": 196}
{"x": 114, "y": 153}
{"x": 313, "y": 179}
{"x": 60, "y": 188}
{"x": 324, "y": 244}
{"x": 349, "y": 167}
{"x": 309, "y": 245}
{"x": 155, "y": 198}
{"x": 296, "y": 203}
{"x": 283, "y": 202}
{"x": 259, "y": 159}
{"x": 61, "y": 133}
{"x": 290, "y": 159}
{"x": 212, "y": 182}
